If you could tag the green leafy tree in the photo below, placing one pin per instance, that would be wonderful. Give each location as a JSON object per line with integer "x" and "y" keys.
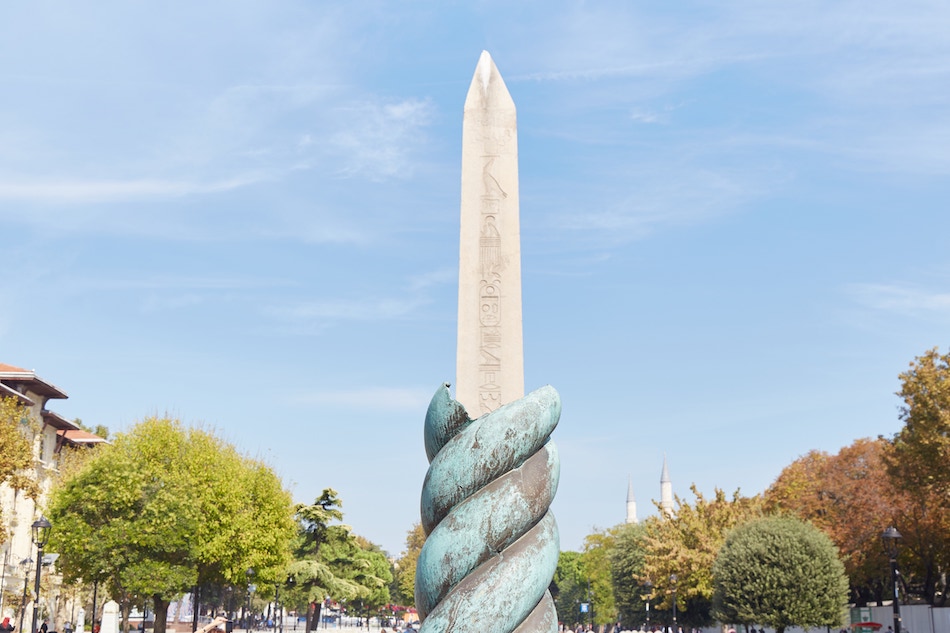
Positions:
{"x": 332, "y": 561}
{"x": 569, "y": 587}
{"x": 164, "y": 506}
{"x": 921, "y": 449}
{"x": 595, "y": 565}
{"x": 685, "y": 545}
{"x": 405, "y": 568}
{"x": 779, "y": 571}
{"x": 374, "y": 573}
{"x": 626, "y": 568}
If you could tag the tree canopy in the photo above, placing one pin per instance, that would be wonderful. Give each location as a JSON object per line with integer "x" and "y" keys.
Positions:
{"x": 406, "y": 566}
{"x": 569, "y": 587}
{"x": 595, "y": 565}
{"x": 164, "y": 507}
{"x": 779, "y": 571}
{"x": 685, "y": 545}
{"x": 626, "y": 567}
{"x": 16, "y": 432}
{"x": 329, "y": 560}
{"x": 921, "y": 449}
{"x": 850, "y": 497}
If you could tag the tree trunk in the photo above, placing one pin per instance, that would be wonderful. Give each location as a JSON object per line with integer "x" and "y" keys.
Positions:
{"x": 195, "y": 607}
{"x": 126, "y": 608}
{"x": 317, "y": 607}
{"x": 161, "y": 614}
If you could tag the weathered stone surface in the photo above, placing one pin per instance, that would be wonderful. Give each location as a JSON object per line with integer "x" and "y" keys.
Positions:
{"x": 490, "y": 358}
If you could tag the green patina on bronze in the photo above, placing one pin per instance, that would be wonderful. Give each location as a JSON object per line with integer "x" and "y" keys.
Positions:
{"x": 492, "y": 543}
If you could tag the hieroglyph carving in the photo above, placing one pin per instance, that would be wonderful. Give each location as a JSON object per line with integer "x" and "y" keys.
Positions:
{"x": 491, "y": 266}
{"x": 490, "y": 367}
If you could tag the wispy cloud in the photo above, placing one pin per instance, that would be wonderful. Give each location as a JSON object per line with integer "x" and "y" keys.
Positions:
{"x": 177, "y": 283}
{"x": 377, "y": 140}
{"x": 85, "y": 191}
{"x": 904, "y": 299}
{"x": 434, "y": 278}
{"x": 655, "y": 200}
{"x": 370, "y": 398}
{"x": 348, "y": 310}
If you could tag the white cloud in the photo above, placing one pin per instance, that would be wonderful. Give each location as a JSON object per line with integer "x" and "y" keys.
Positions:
{"x": 653, "y": 200}
{"x": 903, "y": 299}
{"x": 377, "y": 140}
{"x": 84, "y": 191}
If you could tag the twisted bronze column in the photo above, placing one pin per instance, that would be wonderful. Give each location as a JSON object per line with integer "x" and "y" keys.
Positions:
{"x": 492, "y": 543}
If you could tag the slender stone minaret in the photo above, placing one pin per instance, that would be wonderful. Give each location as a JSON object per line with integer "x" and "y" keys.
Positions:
{"x": 666, "y": 491}
{"x": 631, "y": 503}
{"x": 490, "y": 358}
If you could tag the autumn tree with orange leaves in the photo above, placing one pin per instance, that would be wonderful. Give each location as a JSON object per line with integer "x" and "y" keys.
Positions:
{"x": 849, "y": 496}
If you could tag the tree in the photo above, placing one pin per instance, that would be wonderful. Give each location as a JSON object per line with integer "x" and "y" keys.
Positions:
{"x": 850, "y": 497}
{"x": 685, "y": 545}
{"x": 921, "y": 449}
{"x": 163, "y": 507}
{"x": 569, "y": 587}
{"x": 17, "y": 429}
{"x": 916, "y": 461}
{"x": 330, "y": 560}
{"x": 779, "y": 571}
{"x": 374, "y": 573}
{"x": 626, "y": 568}
{"x": 405, "y": 576}
{"x": 595, "y": 565}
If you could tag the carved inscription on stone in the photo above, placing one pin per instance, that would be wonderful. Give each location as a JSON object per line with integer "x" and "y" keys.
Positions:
{"x": 490, "y": 265}
{"x": 489, "y": 363}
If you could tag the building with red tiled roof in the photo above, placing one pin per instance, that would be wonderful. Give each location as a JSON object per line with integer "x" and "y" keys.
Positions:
{"x": 50, "y": 433}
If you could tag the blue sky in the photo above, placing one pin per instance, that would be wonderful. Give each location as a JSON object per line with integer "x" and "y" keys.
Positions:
{"x": 245, "y": 214}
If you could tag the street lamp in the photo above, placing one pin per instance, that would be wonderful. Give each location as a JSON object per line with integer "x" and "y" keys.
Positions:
{"x": 890, "y": 538}
{"x": 26, "y": 585}
{"x": 673, "y": 581}
{"x": 41, "y": 529}
{"x": 649, "y": 588}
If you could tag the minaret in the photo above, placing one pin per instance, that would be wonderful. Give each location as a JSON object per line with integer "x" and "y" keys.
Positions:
{"x": 631, "y": 503}
{"x": 666, "y": 490}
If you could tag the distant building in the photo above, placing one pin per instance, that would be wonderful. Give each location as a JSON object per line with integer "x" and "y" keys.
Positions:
{"x": 50, "y": 434}
{"x": 666, "y": 491}
{"x": 631, "y": 503}
{"x": 666, "y": 496}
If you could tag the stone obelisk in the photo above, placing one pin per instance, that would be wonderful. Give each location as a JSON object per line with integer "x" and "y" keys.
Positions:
{"x": 492, "y": 543}
{"x": 490, "y": 358}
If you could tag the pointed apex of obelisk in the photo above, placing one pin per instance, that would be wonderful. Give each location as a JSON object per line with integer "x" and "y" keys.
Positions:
{"x": 488, "y": 89}
{"x": 484, "y": 68}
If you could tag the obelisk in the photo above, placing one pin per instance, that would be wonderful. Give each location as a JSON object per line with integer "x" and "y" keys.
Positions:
{"x": 490, "y": 357}
{"x": 492, "y": 543}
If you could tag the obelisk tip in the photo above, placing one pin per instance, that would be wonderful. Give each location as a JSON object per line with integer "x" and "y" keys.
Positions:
{"x": 484, "y": 69}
